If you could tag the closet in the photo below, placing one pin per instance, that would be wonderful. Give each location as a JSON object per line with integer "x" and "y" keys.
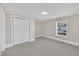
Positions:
{"x": 21, "y": 30}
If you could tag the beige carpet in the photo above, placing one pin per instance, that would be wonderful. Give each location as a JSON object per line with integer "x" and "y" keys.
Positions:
{"x": 42, "y": 47}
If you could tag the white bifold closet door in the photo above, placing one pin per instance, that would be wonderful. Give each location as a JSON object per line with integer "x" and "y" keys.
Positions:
{"x": 20, "y": 31}
{"x": 25, "y": 30}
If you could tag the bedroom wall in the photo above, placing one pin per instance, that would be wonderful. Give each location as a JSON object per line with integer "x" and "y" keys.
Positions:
{"x": 8, "y": 29}
{"x": 38, "y": 28}
{"x": 73, "y": 28}
{"x": 2, "y": 29}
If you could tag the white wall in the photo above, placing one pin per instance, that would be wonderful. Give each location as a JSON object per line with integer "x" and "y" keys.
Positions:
{"x": 49, "y": 28}
{"x": 38, "y": 28}
{"x": 2, "y": 29}
{"x": 8, "y": 30}
{"x": 73, "y": 28}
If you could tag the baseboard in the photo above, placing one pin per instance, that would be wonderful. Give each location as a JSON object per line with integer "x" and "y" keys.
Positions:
{"x": 32, "y": 40}
{"x": 38, "y": 36}
{"x": 61, "y": 40}
{"x": 9, "y": 45}
{"x": 3, "y": 49}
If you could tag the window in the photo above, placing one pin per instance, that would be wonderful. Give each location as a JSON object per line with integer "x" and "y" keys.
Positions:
{"x": 62, "y": 28}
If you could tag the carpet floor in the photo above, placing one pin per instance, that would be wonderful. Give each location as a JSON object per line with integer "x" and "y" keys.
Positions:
{"x": 42, "y": 47}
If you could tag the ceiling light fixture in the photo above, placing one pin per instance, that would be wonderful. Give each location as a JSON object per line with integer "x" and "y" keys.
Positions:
{"x": 44, "y": 13}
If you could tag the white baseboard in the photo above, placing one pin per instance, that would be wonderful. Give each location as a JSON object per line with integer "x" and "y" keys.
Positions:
{"x": 9, "y": 45}
{"x": 3, "y": 49}
{"x": 38, "y": 36}
{"x": 32, "y": 40}
{"x": 61, "y": 40}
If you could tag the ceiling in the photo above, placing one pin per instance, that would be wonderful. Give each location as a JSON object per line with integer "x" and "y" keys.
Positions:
{"x": 34, "y": 10}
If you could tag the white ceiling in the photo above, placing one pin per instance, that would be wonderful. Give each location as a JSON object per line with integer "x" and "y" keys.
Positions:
{"x": 34, "y": 10}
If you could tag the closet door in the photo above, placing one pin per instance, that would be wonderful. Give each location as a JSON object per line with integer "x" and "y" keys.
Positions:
{"x": 17, "y": 31}
{"x": 25, "y": 30}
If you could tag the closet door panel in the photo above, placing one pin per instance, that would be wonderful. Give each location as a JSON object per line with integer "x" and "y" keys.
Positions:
{"x": 25, "y": 29}
{"x": 17, "y": 31}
